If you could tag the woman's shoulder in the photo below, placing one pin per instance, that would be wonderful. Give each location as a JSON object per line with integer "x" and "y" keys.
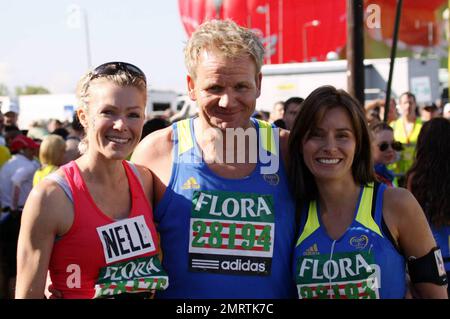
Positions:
{"x": 398, "y": 197}
{"x": 400, "y": 208}
{"x": 48, "y": 205}
{"x": 48, "y": 190}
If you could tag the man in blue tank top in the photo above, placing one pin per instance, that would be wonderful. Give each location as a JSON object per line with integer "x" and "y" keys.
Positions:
{"x": 223, "y": 208}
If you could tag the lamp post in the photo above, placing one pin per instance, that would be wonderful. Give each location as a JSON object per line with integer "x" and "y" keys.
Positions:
{"x": 312, "y": 23}
{"x": 218, "y": 6}
{"x": 280, "y": 31}
{"x": 265, "y": 9}
{"x": 88, "y": 46}
{"x": 74, "y": 15}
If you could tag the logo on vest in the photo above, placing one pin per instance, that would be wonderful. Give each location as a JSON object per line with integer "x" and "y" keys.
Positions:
{"x": 244, "y": 266}
{"x": 191, "y": 183}
{"x": 272, "y": 179}
{"x": 126, "y": 238}
{"x": 313, "y": 250}
{"x": 254, "y": 207}
{"x": 359, "y": 242}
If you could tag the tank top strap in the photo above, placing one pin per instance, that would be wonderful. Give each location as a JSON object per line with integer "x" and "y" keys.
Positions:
{"x": 62, "y": 182}
{"x": 183, "y": 136}
{"x": 377, "y": 208}
{"x": 135, "y": 172}
{"x": 73, "y": 178}
{"x": 365, "y": 215}
{"x": 310, "y": 221}
{"x": 268, "y": 136}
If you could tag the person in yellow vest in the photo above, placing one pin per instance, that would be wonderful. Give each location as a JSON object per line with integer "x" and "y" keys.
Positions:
{"x": 5, "y": 154}
{"x": 406, "y": 130}
{"x": 51, "y": 154}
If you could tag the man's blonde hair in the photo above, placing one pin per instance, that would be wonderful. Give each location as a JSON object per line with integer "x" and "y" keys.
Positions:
{"x": 225, "y": 37}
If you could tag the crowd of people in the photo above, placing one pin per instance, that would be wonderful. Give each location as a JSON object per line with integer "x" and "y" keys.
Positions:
{"x": 318, "y": 199}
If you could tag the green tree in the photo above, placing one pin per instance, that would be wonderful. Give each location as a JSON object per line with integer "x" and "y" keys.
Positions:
{"x": 3, "y": 90}
{"x": 30, "y": 89}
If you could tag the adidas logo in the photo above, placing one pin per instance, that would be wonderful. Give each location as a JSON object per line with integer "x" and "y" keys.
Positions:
{"x": 311, "y": 251}
{"x": 191, "y": 183}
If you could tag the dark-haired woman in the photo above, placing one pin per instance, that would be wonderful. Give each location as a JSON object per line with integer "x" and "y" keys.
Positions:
{"x": 429, "y": 180}
{"x": 356, "y": 235}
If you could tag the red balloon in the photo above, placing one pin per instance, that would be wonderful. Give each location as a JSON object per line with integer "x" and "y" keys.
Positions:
{"x": 291, "y": 30}
{"x": 305, "y": 30}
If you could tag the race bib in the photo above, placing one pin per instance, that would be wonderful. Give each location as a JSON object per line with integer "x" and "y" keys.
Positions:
{"x": 345, "y": 276}
{"x": 134, "y": 276}
{"x": 126, "y": 238}
{"x": 231, "y": 233}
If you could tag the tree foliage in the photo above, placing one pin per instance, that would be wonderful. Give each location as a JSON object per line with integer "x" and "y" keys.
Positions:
{"x": 3, "y": 90}
{"x": 30, "y": 89}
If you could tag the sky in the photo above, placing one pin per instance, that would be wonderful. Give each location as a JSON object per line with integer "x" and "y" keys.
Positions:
{"x": 37, "y": 46}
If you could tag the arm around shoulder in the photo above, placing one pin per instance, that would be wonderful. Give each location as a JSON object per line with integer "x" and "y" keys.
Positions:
{"x": 147, "y": 181}
{"x": 409, "y": 227}
{"x": 153, "y": 149}
{"x": 154, "y": 152}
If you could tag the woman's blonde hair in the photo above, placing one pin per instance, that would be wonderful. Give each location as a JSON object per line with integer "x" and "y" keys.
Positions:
{"x": 121, "y": 78}
{"x": 52, "y": 149}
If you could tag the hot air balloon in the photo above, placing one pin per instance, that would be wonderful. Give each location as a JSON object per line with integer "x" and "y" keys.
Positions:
{"x": 304, "y": 30}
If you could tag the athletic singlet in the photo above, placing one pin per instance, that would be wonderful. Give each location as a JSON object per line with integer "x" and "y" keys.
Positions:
{"x": 363, "y": 263}
{"x": 101, "y": 257}
{"x": 226, "y": 238}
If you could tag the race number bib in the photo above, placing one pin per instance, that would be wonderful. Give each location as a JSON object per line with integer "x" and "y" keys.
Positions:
{"x": 133, "y": 276}
{"x": 344, "y": 276}
{"x": 231, "y": 233}
{"x": 126, "y": 238}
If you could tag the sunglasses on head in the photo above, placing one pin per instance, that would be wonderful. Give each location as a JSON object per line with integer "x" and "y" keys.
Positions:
{"x": 396, "y": 146}
{"x": 112, "y": 68}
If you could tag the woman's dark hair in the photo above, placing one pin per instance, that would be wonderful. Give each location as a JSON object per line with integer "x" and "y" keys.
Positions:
{"x": 312, "y": 112}
{"x": 152, "y": 125}
{"x": 429, "y": 175}
{"x": 61, "y": 131}
{"x": 76, "y": 125}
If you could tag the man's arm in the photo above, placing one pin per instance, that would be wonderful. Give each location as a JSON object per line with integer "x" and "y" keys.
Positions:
{"x": 155, "y": 153}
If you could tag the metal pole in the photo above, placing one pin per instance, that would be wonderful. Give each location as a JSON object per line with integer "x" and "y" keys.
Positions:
{"x": 305, "y": 49}
{"x": 355, "y": 49}
{"x": 269, "y": 42}
{"x": 393, "y": 53}
{"x": 280, "y": 31}
{"x": 88, "y": 47}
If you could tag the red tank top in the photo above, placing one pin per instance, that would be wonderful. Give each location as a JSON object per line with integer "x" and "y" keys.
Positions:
{"x": 100, "y": 256}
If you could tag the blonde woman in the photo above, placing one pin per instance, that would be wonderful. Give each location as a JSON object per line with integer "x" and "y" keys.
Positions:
{"x": 51, "y": 154}
{"x": 91, "y": 222}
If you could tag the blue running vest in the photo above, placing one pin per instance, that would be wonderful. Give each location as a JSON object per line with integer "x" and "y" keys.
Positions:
{"x": 363, "y": 263}
{"x": 226, "y": 238}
